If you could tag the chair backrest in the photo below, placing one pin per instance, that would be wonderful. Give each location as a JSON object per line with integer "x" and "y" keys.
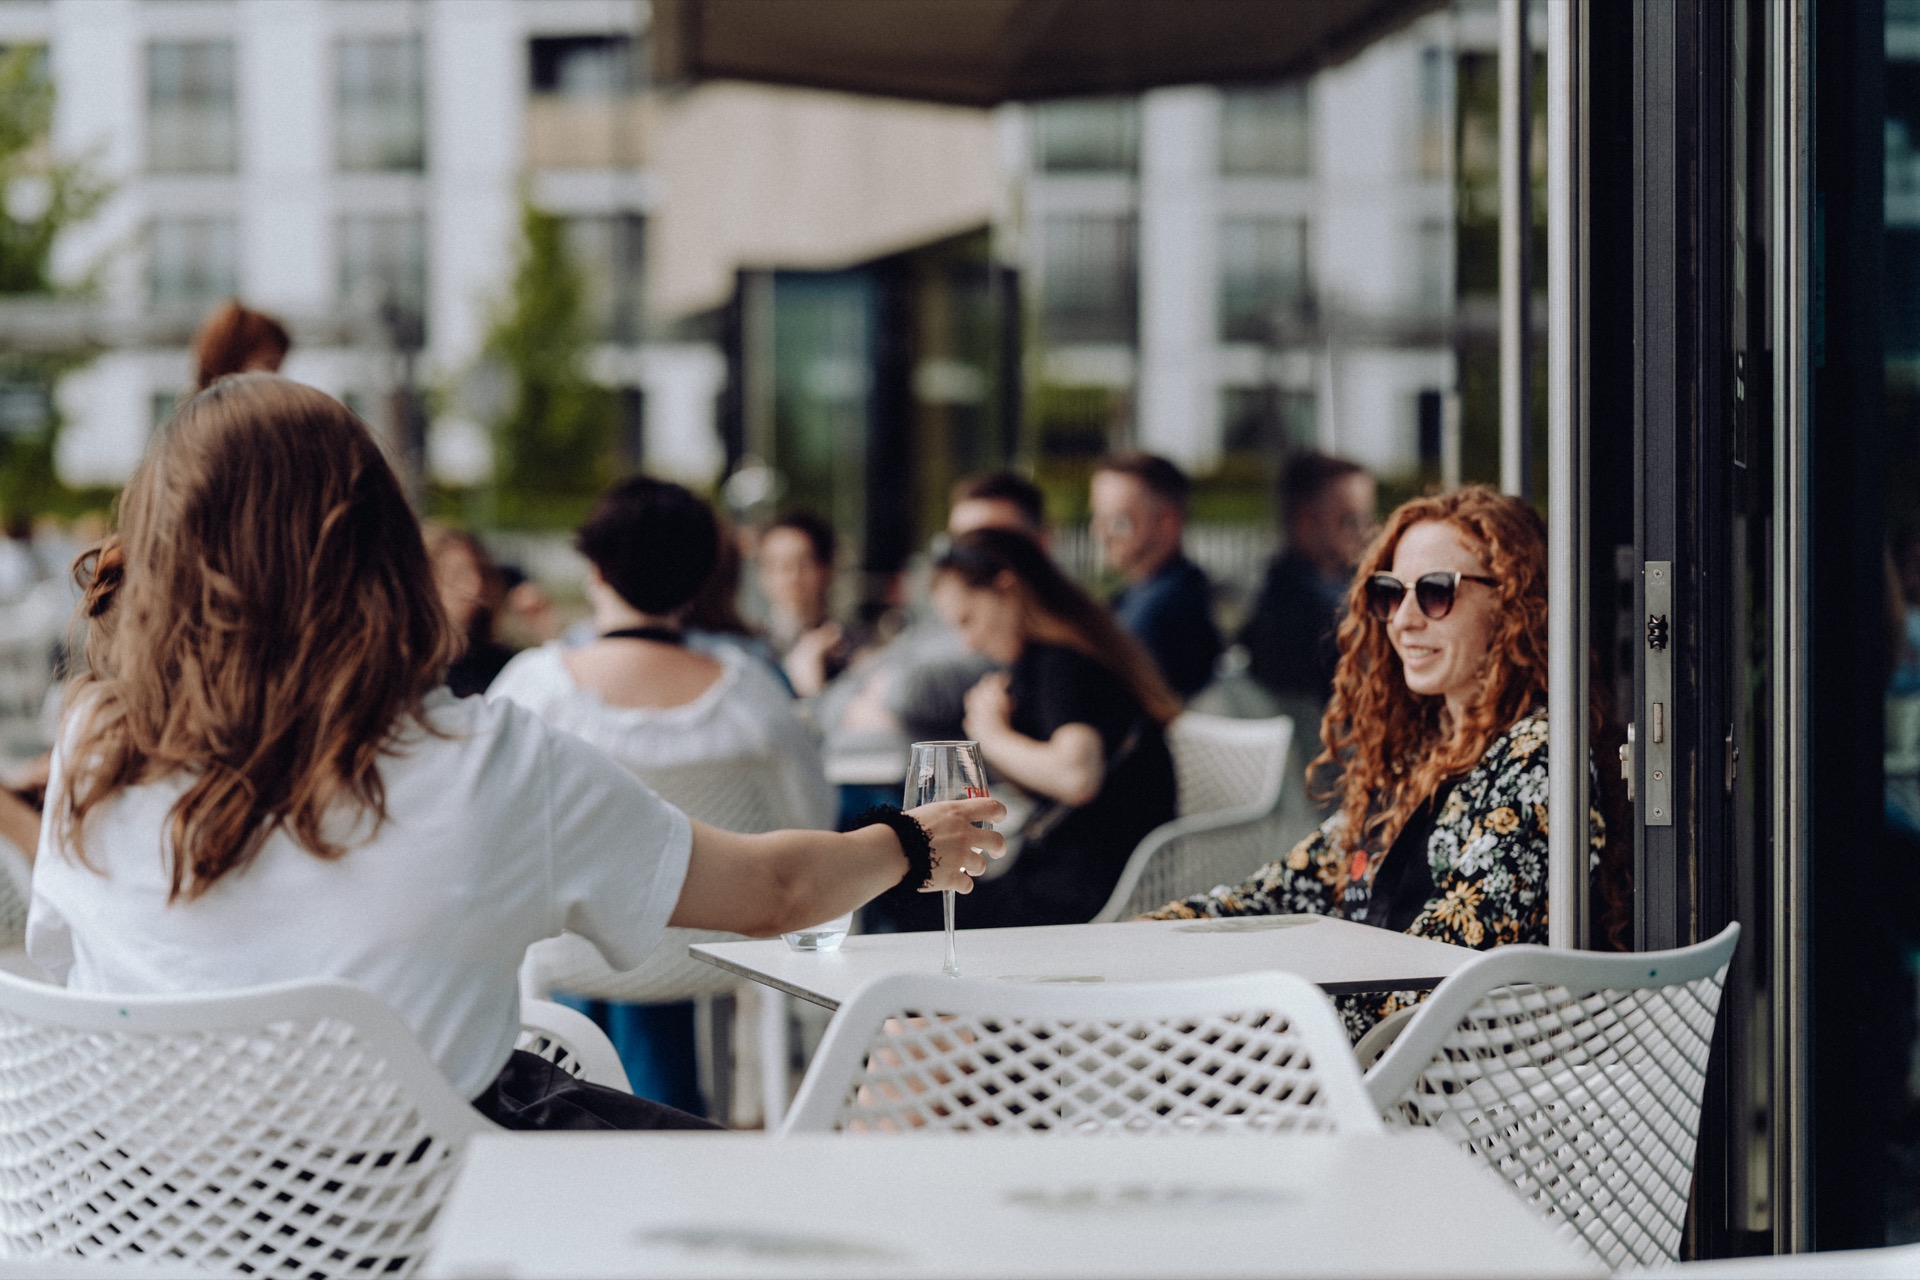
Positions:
{"x": 1577, "y": 1076}
{"x": 744, "y": 795}
{"x": 288, "y": 1130}
{"x": 1260, "y": 1051}
{"x": 1223, "y": 763}
{"x": 1231, "y": 773}
{"x": 571, "y": 1041}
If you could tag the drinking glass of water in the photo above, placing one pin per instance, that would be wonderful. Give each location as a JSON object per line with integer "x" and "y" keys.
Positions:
{"x": 945, "y": 771}
{"x": 821, "y": 937}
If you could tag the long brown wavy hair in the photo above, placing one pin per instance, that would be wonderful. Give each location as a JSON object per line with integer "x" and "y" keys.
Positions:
{"x": 1058, "y": 611}
{"x": 264, "y": 624}
{"x": 1393, "y": 748}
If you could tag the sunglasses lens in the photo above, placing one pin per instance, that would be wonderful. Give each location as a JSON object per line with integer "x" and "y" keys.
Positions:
{"x": 1384, "y": 593}
{"x": 1434, "y": 594}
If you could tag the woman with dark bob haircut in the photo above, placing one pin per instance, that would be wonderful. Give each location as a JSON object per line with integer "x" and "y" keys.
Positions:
{"x": 262, "y": 779}
{"x": 1076, "y": 720}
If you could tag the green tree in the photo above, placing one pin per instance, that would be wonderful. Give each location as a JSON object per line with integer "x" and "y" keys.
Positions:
{"x": 40, "y": 196}
{"x": 553, "y": 450}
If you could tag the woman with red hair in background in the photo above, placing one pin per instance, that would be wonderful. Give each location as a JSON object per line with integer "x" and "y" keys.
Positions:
{"x": 1438, "y": 732}
{"x": 233, "y": 339}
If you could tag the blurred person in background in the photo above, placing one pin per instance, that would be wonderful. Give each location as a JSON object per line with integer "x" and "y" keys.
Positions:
{"x": 914, "y": 688}
{"x": 1139, "y": 503}
{"x": 527, "y": 616}
{"x": 1076, "y": 720}
{"x": 1327, "y": 506}
{"x": 712, "y": 618}
{"x": 471, "y": 590}
{"x": 233, "y": 339}
{"x": 642, "y": 695}
{"x": 798, "y": 553}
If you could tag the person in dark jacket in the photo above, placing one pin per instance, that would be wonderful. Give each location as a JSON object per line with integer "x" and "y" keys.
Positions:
{"x": 1139, "y": 505}
{"x": 1328, "y": 506}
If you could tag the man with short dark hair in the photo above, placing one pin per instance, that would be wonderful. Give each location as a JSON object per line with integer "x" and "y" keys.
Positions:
{"x": 997, "y": 500}
{"x": 1139, "y": 503}
{"x": 1327, "y": 506}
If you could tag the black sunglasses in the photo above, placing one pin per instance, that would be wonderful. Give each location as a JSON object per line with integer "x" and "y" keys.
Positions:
{"x": 1433, "y": 592}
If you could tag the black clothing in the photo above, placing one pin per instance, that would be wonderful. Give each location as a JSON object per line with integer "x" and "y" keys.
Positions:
{"x": 532, "y": 1093}
{"x": 1171, "y": 613}
{"x": 1289, "y": 636}
{"x": 1072, "y": 857}
{"x": 475, "y": 669}
{"x": 1403, "y": 886}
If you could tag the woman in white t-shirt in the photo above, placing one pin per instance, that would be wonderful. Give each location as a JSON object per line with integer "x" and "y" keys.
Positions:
{"x": 711, "y": 731}
{"x": 262, "y": 779}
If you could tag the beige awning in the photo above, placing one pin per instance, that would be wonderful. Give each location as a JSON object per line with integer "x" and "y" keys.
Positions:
{"x": 984, "y": 52}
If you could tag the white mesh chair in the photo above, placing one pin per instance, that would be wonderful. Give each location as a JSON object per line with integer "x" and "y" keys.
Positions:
{"x": 1577, "y": 1076}
{"x": 293, "y": 1130}
{"x": 571, "y": 1041}
{"x": 919, "y": 1051}
{"x": 745, "y": 795}
{"x": 734, "y": 795}
{"x": 1230, "y": 774}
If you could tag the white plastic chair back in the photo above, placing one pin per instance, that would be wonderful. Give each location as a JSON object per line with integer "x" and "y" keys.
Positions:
{"x": 1230, "y": 774}
{"x": 1577, "y": 1076}
{"x": 571, "y": 1041}
{"x": 735, "y": 795}
{"x": 1261, "y": 1051}
{"x": 288, "y": 1130}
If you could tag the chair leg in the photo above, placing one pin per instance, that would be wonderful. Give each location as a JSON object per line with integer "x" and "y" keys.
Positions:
{"x": 713, "y": 1054}
{"x": 775, "y": 1057}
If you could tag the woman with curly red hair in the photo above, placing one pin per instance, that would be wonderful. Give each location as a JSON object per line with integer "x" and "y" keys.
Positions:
{"x": 1437, "y": 731}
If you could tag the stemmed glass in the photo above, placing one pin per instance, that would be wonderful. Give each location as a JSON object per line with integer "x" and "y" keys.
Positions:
{"x": 945, "y": 771}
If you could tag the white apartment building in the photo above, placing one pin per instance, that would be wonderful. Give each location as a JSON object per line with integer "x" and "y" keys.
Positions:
{"x": 328, "y": 160}
{"x": 1249, "y": 268}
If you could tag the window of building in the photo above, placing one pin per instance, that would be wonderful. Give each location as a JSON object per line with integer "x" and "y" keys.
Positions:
{"x": 1434, "y": 244}
{"x": 1265, "y": 421}
{"x": 192, "y": 262}
{"x": 380, "y": 91}
{"x": 1436, "y": 101}
{"x": 1263, "y": 277}
{"x": 611, "y": 253}
{"x": 1087, "y": 135}
{"x": 596, "y": 66}
{"x": 383, "y": 264}
{"x": 1089, "y": 278}
{"x": 190, "y": 107}
{"x": 1266, "y": 130}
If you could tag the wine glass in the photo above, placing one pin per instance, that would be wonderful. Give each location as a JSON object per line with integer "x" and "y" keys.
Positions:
{"x": 945, "y": 771}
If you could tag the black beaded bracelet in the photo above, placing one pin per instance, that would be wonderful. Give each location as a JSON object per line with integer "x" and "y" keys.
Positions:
{"x": 914, "y": 841}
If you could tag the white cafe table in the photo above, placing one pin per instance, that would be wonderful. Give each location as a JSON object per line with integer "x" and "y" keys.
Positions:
{"x": 702, "y": 1205}
{"x": 1339, "y": 955}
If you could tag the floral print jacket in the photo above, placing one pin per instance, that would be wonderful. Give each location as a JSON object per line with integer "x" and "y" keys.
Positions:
{"x": 1487, "y": 854}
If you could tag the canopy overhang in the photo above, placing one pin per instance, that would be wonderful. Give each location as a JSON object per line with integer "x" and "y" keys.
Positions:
{"x": 980, "y": 53}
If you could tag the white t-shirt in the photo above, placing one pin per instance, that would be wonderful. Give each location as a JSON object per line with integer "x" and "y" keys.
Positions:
{"x": 742, "y": 715}
{"x": 498, "y": 834}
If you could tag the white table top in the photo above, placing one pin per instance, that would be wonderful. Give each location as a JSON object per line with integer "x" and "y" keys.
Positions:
{"x": 1337, "y": 954}
{"x": 703, "y": 1205}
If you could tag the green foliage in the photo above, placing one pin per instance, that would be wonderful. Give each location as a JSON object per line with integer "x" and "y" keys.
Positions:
{"x": 553, "y": 449}
{"x": 52, "y": 195}
{"x": 40, "y": 196}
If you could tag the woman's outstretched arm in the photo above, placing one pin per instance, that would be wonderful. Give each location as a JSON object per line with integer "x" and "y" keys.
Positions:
{"x": 761, "y": 885}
